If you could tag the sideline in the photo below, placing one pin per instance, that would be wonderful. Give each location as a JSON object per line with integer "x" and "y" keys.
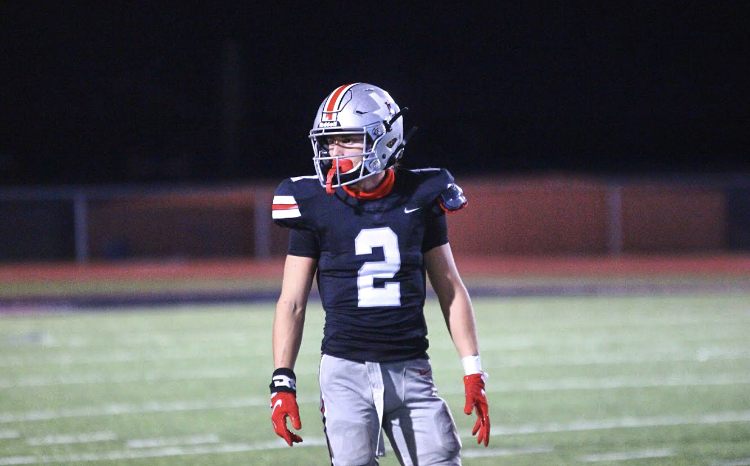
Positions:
{"x": 469, "y": 265}
{"x": 128, "y": 301}
{"x": 484, "y": 276}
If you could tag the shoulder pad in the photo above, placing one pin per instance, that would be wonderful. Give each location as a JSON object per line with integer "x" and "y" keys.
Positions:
{"x": 452, "y": 199}
{"x": 437, "y": 184}
{"x": 291, "y": 192}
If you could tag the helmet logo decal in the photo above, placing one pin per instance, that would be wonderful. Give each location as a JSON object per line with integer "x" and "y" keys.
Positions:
{"x": 332, "y": 106}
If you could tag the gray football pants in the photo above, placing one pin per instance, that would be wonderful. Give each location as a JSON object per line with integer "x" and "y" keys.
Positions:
{"x": 360, "y": 400}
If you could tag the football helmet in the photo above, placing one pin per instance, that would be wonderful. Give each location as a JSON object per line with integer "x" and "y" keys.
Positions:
{"x": 359, "y": 110}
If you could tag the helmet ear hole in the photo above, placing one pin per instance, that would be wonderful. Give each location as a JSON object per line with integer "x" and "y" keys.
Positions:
{"x": 374, "y": 165}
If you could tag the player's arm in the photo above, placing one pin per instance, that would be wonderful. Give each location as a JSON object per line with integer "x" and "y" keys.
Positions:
{"x": 288, "y": 323}
{"x": 289, "y": 319}
{"x": 459, "y": 317}
{"x": 454, "y": 299}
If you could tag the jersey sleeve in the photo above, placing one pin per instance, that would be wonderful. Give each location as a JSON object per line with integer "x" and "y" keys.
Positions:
{"x": 435, "y": 186}
{"x": 304, "y": 243}
{"x": 436, "y": 231}
{"x": 286, "y": 210}
{"x": 289, "y": 203}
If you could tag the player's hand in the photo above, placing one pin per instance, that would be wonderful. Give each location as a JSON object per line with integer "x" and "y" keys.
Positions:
{"x": 284, "y": 405}
{"x": 476, "y": 398}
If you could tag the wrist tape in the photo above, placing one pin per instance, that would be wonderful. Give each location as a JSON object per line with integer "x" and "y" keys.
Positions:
{"x": 283, "y": 380}
{"x": 473, "y": 365}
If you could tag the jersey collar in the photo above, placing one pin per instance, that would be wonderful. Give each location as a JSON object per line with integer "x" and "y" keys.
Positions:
{"x": 381, "y": 190}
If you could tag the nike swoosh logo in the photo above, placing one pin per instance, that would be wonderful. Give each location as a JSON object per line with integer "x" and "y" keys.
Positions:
{"x": 275, "y": 405}
{"x": 408, "y": 210}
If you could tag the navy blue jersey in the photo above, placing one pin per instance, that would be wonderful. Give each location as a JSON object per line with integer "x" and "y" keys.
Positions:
{"x": 371, "y": 274}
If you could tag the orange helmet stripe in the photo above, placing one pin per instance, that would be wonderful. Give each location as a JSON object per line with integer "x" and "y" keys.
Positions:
{"x": 334, "y": 100}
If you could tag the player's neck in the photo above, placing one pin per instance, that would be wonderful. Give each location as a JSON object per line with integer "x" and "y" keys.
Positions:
{"x": 370, "y": 184}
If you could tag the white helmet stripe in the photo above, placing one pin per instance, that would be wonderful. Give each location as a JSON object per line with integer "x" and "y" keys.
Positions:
{"x": 334, "y": 101}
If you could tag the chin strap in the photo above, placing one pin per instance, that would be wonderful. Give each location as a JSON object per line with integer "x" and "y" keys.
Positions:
{"x": 343, "y": 165}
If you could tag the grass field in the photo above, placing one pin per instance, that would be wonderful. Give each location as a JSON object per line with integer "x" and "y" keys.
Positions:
{"x": 658, "y": 380}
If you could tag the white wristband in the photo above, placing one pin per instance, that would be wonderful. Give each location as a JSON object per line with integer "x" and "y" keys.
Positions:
{"x": 472, "y": 365}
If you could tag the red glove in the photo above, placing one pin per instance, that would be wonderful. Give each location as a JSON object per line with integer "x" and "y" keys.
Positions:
{"x": 284, "y": 404}
{"x": 475, "y": 398}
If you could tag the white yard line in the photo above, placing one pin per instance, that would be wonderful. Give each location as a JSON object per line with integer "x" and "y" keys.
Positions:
{"x": 9, "y": 434}
{"x": 161, "y": 442}
{"x": 182, "y": 354}
{"x": 606, "y": 359}
{"x": 90, "y": 437}
{"x": 702, "y": 355}
{"x": 241, "y": 372}
{"x": 141, "y": 339}
{"x": 154, "y": 407}
{"x": 628, "y": 455}
{"x": 615, "y": 383}
{"x": 208, "y": 443}
{"x": 620, "y": 423}
{"x": 499, "y": 387}
{"x": 138, "y": 453}
{"x": 600, "y": 340}
{"x": 150, "y": 407}
{"x": 494, "y": 452}
{"x": 97, "y": 378}
{"x": 736, "y": 462}
{"x": 69, "y": 439}
{"x": 203, "y": 449}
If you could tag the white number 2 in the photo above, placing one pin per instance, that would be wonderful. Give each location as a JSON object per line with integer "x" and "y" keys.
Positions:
{"x": 390, "y": 294}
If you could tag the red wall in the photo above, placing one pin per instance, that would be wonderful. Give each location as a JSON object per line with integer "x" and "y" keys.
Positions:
{"x": 532, "y": 216}
{"x": 529, "y": 217}
{"x": 677, "y": 218}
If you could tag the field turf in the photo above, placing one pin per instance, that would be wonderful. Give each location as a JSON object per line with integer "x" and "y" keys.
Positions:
{"x": 648, "y": 379}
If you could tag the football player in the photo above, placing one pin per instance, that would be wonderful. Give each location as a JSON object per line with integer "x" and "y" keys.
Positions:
{"x": 368, "y": 231}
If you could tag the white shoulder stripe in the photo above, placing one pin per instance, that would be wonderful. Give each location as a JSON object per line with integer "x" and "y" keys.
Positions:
{"x": 287, "y": 213}
{"x": 284, "y": 200}
{"x": 417, "y": 170}
{"x": 307, "y": 177}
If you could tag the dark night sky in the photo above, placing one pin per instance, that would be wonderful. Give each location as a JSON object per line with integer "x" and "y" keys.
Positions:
{"x": 114, "y": 94}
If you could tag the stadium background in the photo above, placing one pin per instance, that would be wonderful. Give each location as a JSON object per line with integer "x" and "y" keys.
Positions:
{"x": 603, "y": 149}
